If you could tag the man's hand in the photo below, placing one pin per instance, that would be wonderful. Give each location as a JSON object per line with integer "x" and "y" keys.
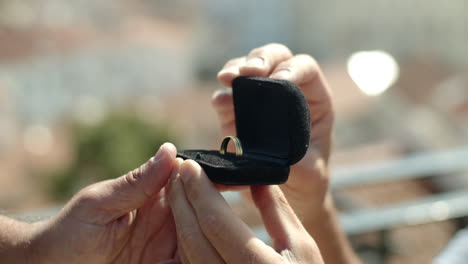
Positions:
{"x": 209, "y": 232}
{"x": 124, "y": 220}
{"x": 307, "y": 186}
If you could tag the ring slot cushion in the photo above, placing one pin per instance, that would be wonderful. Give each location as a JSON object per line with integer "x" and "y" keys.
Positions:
{"x": 273, "y": 125}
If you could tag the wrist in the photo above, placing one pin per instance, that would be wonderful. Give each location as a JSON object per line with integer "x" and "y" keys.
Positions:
{"x": 307, "y": 189}
{"x": 322, "y": 214}
{"x": 37, "y": 246}
{"x": 325, "y": 229}
{"x": 14, "y": 240}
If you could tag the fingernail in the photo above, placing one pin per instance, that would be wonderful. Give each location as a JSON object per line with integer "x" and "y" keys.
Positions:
{"x": 185, "y": 175}
{"x": 160, "y": 153}
{"x": 255, "y": 62}
{"x": 282, "y": 74}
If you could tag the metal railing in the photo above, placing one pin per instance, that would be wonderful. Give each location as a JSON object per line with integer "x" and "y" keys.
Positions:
{"x": 412, "y": 167}
{"x": 361, "y": 220}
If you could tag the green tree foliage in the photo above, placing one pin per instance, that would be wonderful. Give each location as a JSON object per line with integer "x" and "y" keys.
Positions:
{"x": 107, "y": 150}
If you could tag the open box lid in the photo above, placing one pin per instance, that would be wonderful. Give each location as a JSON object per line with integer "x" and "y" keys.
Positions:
{"x": 272, "y": 119}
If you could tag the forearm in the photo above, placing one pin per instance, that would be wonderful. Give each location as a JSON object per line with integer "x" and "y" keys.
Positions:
{"x": 14, "y": 240}
{"x": 332, "y": 241}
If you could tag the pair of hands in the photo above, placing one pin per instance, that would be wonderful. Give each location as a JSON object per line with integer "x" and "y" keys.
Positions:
{"x": 209, "y": 232}
{"x": 168, "y": 211}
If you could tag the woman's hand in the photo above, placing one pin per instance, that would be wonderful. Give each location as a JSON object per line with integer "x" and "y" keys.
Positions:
{"x": 307, "y": 185}
{"x": 209, "y": 232}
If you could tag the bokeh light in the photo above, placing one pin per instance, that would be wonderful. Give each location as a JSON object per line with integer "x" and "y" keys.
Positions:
{"x": 373, "y": 71}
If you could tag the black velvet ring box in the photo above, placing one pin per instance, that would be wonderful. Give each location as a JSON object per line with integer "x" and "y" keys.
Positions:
{"x": 273, "y": 126}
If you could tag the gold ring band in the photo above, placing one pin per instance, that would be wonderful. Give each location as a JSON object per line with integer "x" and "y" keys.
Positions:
{"x": 237, "y": 144}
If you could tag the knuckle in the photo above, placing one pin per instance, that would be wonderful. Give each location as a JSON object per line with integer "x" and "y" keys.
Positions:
{"x": 280, "y": 198}
{"x": 272, "y": 50}
{"x": 90, "y": 193}
{"x": 88, "y": 197}
{"x": 308, "y": 59}
{"x": 233, "y": 62}
{"x": 221, "y": 98}
{"x": 265, "y": 52}
{"x": 282, "y": 201}
{"x": 133, "y": 179}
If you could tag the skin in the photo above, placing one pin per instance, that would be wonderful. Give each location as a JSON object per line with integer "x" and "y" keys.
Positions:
{"x": 124, "y": 220}
{"x": 307, "y": 186}
{"x": 206, "y": 224}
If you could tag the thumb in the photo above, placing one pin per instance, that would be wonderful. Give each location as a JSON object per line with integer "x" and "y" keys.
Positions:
{"x": 119, "y": 196}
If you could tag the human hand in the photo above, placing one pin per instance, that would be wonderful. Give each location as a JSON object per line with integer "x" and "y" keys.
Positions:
{"x": 209, "y": 232}
{"x": 307, "y": 185}
{"x": 123, "y": 220}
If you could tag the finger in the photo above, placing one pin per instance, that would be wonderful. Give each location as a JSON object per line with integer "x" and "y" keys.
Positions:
{"x": 280, "y": 220}
{"x": 174, "y": 175}
{"x": 153, "y": 222}
{"x": 180, "y": 255}
{"x": 224, "y": 107}
{"x": 302, "y": 69}
{"x": 170, "y": 261}
{"x": 288, "y": 234}
{"x": 232, "y": 188}
{"x": 222, "y": 100}
{"x": 230, "y": 71}
{"x": 231, "y": 237}
{"x": 193, "y": 243}
{"x": 299, "y": 69}
{"x": 223, "y": 104}
{"x": 175, "y": 170}
{"x": 119, "y": 196}
{"x": 154, "y": 250}
{"x": 261, "y": 61}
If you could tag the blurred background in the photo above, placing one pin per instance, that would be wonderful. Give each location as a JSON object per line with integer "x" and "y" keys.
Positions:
{"x": 90, "y": 89}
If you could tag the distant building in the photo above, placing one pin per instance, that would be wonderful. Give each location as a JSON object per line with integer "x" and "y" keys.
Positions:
{"x": 333, "y": 28}
{"x": 228, "y": 29}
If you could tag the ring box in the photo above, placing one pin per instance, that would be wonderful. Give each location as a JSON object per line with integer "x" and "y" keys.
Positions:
{"x": 273, "y": 128}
